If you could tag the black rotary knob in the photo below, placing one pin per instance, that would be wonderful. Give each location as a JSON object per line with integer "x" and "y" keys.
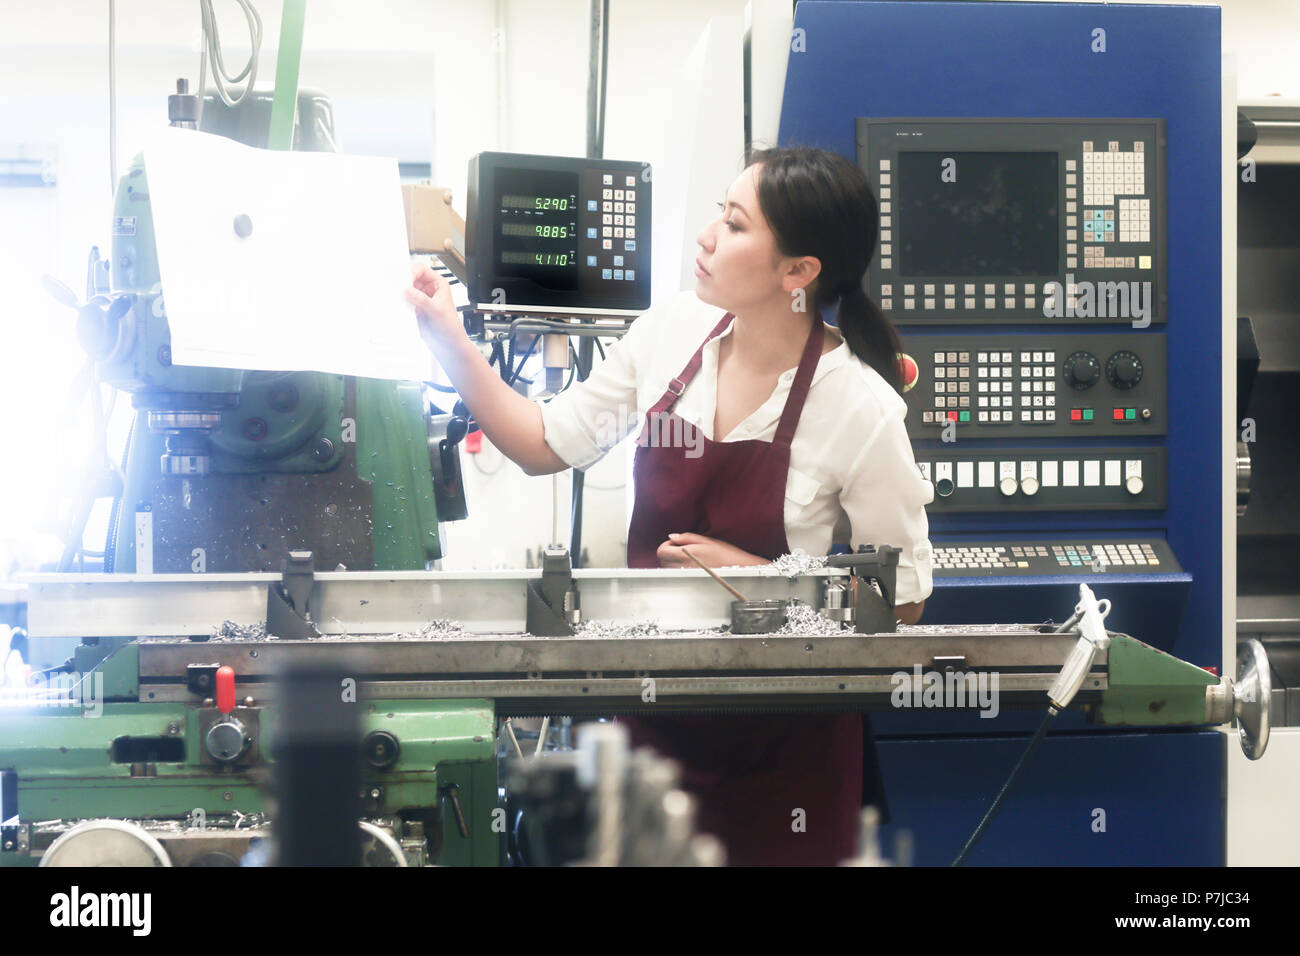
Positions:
{"x": 1082, "y": 370}
{"x": 1124, "y": 370}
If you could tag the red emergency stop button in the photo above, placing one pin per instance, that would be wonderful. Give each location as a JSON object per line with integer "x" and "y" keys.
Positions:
{"x": 225, "y": 689}
{"x": 907, "y": 367}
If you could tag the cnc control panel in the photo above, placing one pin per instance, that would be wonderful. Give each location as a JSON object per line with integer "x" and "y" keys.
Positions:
{"x": 1044, "y": 479}
{"x": 1035, "y": 385}
{"x": 993, "y": 221}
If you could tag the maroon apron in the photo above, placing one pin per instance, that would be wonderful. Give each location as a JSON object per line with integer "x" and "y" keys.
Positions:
{"x": 777, "y": 789}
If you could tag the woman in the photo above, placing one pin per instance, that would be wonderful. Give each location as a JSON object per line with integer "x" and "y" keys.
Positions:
{"x": 781, "y": 427}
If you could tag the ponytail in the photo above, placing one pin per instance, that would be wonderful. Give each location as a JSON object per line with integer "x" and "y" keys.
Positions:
{"x": 870, "y": 335}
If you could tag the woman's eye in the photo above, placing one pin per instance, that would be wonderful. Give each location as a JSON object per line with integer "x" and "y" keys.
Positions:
{"x": 730, "y": 225}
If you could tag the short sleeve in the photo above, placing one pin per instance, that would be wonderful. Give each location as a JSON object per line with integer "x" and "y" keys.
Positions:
{"x": 884, "y": 496}
{"x": 590, "y": 417}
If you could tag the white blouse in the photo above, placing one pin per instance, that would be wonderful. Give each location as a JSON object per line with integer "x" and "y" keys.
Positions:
{"x": 850, "y": 455}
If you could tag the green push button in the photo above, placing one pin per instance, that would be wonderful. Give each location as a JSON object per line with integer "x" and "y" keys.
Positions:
{"x": 1130, "y": 413}
{"x": 1087, "y": 414}
{"x": 964, "y": 416}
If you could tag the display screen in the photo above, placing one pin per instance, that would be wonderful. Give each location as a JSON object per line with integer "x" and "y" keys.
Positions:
{"x": 536, "y": 258}
{"x": 968, "y": 214}
{"x": 537, "y": 219}
{"x": 560, "y": 203}
{"x": 539, "y": 230}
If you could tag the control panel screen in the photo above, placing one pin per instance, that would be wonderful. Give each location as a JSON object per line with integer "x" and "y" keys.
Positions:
{"x": 560, "y": 235}
{"x": 978, "y": 213}
{"x": 1018, "y": 220}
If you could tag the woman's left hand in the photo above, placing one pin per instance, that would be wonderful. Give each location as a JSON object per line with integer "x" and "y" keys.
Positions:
{"x": 714, "y": 553}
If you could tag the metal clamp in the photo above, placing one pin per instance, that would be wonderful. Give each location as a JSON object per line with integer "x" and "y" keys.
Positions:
{"x": 288, "y": 601}
{"x": 875, "y": 574}
{"x": 553, "y": 605}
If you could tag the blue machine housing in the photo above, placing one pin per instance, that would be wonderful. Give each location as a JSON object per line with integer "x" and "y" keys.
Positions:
{"x": 1092, "y": 796}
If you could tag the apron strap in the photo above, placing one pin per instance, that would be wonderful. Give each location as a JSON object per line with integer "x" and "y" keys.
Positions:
{"x": 678, "y": 384}
{"x": 812, "y": 353}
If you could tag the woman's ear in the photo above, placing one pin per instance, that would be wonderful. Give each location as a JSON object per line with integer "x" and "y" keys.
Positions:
{"x": 801, "y": 273}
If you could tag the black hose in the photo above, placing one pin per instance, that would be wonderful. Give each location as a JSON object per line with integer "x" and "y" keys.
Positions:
{"x": 1006, "y": 787}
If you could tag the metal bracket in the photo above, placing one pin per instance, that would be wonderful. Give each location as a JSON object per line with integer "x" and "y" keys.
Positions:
{"x": 873, "y": 612}
{"x": 288, "y": 609}
{"x": 553, "y": 606}
{"x": 201, "y": 679}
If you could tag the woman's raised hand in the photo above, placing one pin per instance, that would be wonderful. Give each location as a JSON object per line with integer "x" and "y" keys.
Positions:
{"x": 440, "y": 323}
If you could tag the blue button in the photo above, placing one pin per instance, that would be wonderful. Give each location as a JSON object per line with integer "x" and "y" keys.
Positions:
{"x": 604, "y": 273}
{"x": 618, "y": 274}
{"x": 591, "y": 233}
{"x": 629, "y": 274}
{"x": 618, "y": 260}
{"x": 591, "y": 205}
{"x": 591, "y": 260}
{"x": 629, "y": 245}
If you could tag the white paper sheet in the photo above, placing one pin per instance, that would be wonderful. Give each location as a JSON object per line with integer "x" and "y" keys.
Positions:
{"x": 318, "y": 283}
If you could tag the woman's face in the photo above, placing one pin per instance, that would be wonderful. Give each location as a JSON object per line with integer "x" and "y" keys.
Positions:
{"x": 743, "y": 267}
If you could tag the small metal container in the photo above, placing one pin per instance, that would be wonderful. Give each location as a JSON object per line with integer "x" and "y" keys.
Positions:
{"x": 757, "y": 617}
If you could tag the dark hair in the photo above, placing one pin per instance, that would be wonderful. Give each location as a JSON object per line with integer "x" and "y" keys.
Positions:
{"x": 820, "y": 204}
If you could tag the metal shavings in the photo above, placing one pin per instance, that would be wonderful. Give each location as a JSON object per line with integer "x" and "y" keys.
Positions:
{"x": 435, "y": 630}
{"x": 945, "y": 630}
{"x": 230, "y": 631}
{"x": 651, "y": 628}
{"x": 609, "y": 629}
{"x": 801, "y": 618}
{"x": 790, "y": 565}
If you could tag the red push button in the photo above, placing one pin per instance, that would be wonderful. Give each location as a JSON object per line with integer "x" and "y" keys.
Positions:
{"x": 1118, "y": 415}
{"x": 1076, "y": 415}
{"x": 225, "y": 689}
{"x": 907, "y": 367}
